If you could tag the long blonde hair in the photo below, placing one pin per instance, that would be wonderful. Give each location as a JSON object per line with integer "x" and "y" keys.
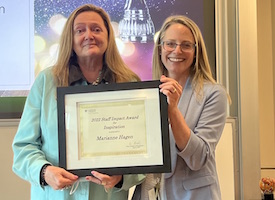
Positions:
{"x": 112, "y": 59}
{"x": 200, "y": 70}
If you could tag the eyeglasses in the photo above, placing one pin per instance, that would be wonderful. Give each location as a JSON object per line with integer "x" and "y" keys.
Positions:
{"x": 171, "y": 46}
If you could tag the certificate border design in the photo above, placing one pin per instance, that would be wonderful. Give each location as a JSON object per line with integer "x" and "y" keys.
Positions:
{"x": 165, "y": 167}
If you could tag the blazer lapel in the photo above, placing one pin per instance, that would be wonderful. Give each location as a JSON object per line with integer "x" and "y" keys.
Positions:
{"x": 185, "y": 98}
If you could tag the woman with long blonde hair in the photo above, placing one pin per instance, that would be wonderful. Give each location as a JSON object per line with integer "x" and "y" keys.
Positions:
{"x": 87, "y": 56}
{"x": 197, "y": 110}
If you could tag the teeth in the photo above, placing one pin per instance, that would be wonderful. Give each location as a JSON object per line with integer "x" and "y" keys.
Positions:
{"x": 176, "y": 59}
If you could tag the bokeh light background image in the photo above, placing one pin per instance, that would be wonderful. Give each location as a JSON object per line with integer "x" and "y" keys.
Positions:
{"x": 51, "y": 15}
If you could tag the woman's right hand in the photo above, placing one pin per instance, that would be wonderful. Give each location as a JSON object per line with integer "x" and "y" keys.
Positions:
{"x": 172, "y": 89}
{"x": 58, "y": 178}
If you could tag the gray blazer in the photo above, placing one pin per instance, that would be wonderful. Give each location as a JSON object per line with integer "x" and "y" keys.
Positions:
{"x": 194, "y": 174}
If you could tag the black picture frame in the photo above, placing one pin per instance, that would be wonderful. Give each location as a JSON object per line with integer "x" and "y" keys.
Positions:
{"x": 113, "y": 165}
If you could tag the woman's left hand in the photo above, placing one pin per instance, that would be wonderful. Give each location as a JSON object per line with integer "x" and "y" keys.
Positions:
{"x": 102, "y": 179}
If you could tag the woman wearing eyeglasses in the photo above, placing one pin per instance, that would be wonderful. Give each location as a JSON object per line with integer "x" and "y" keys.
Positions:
{"x": 197, "y": 110}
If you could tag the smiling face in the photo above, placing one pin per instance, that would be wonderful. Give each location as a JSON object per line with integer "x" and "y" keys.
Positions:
{"x": 90, "y": 36}
{"x": 178, "y": 62}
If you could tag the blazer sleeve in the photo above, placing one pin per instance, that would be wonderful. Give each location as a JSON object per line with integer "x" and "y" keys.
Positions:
{"x": 206, "y": 121}
{"x": 131, "y": 180}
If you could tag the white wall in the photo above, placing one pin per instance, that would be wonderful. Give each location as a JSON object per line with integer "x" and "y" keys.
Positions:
{"x": 11, "y": 186}
{"x": 238, "y": 50}
{"x": 227, "y": 161}
{"x": 266, "y": 56}
{"x": 249, "y": 98}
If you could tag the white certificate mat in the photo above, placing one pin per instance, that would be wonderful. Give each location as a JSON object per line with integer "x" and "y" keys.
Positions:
{"x": 115, "y": 129}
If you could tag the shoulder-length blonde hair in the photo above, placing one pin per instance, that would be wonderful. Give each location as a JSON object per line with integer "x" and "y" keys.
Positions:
{"x": 112, "y": 58}
{"x": 200, "y": 70}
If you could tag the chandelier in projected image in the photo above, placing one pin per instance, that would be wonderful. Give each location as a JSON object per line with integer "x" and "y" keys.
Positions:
{"x": 136, "y": 25}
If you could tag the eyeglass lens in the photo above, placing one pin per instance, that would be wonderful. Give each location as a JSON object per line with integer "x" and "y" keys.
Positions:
{"x": 171, "y": 46}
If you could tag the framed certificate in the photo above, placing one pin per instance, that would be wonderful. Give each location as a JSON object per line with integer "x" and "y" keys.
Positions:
{"x": 119, "y": 128}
